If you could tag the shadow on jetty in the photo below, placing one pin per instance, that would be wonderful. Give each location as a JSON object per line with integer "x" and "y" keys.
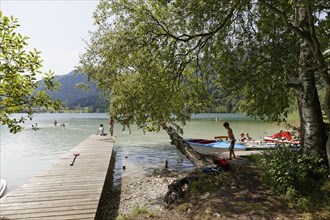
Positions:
{"x": 109, "y": 202}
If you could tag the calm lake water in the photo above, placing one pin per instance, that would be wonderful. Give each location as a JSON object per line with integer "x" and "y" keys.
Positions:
{"x": 25, "y": 154}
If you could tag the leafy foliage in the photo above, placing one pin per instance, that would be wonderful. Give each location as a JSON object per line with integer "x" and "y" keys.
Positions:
{"x": 258, "y": 61}
{"x": 289, "y": 172}
{"x": 149, "y": 84}
{"x": 18, "y": 69}
{"x": 266, "y": 53}
{"x": 254, "y": 56}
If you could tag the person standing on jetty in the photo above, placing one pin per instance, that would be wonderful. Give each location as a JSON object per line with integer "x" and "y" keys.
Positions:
{"x": 232, "y": 140}
{"x": 111, "y": 123}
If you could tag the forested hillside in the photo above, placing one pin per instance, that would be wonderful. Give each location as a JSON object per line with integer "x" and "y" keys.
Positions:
{"x": 75, "y": 98}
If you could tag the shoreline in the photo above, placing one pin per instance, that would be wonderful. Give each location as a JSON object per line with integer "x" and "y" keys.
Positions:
{"x": 145, "y": 189}
{"x": 142, "y": 197}
{"x": 142, "y": 188}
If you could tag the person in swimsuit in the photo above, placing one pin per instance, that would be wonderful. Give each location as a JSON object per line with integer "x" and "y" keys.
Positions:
{"x": 242, "y": 138}
{"x": 232, "y": 140}
{"x": 111, "y": 123}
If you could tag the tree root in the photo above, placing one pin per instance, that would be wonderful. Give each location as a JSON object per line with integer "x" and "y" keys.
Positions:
{"x": 176, "y": 189}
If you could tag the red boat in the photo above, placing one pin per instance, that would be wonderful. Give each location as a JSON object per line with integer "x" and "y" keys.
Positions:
{"x": 284, "y": 137}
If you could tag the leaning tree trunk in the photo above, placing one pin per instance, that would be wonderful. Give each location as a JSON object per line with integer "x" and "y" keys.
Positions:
{"x": 314, "y": 134}
{"x": 199, "y": 160}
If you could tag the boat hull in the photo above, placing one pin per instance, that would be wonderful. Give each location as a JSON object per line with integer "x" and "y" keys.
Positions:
{"x": 260, "y": 146}
{"x": 212, "y": 146}
{"x": 3, "y": 186}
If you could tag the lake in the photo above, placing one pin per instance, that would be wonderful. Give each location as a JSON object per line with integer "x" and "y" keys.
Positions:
{"x": 25, "y": 154}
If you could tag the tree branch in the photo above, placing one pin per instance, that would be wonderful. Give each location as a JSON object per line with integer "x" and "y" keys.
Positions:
{"x": 303, "y": 34}
{"x": 187, "y": 37}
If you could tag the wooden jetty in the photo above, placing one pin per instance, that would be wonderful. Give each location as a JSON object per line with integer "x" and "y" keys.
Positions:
{"x": 63, "y": 191}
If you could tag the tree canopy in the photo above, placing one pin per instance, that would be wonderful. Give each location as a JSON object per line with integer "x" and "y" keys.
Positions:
{"x": 18, "y": 71}
{"x": 149, "y": 87}
{"x": 159, "y": 58}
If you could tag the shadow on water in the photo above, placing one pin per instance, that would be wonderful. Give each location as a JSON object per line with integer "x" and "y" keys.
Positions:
{"x": 109, "y": 202}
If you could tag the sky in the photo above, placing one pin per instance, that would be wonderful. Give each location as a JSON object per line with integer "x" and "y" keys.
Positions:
{"x": 56, "y": 28}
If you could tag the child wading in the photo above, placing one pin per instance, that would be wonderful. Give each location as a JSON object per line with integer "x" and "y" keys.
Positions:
{"x": 232, "y": 140}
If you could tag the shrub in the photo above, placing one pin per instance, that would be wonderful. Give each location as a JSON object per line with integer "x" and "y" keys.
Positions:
{"x": 291, "y": 173}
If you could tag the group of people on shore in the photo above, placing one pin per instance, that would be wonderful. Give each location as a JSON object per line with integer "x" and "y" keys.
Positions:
{"x": 101, "y": 132}
{"x": 230, "y": 135}
{"x": 245, "y": 137}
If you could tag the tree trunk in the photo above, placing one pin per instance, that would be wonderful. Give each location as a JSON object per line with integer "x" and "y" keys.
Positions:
{"x": 302, "y": 126}
{"x": 314, "y": 135}
{"x": 313, "y": 130}
{"x": 327, "y": 112}
{"x": 198, "y": 159}
{"x": 323, "y": 69}
{"x": 326, "y": 78}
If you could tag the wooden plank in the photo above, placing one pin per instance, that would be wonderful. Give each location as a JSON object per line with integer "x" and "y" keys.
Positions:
{"x": 50, "y": 215}
{"x": 64, "y": 203}
{"x": 58, "y": 187}
{"x": 63, "y": 191}
{"x": 86, "y": 216}
{"x": 60, "y": 209}
{"x": 44, "y": 196}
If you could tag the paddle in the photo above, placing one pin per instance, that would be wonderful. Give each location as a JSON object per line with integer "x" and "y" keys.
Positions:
{"x": 75, "y": 156}
{"x": 221, "y": 137}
